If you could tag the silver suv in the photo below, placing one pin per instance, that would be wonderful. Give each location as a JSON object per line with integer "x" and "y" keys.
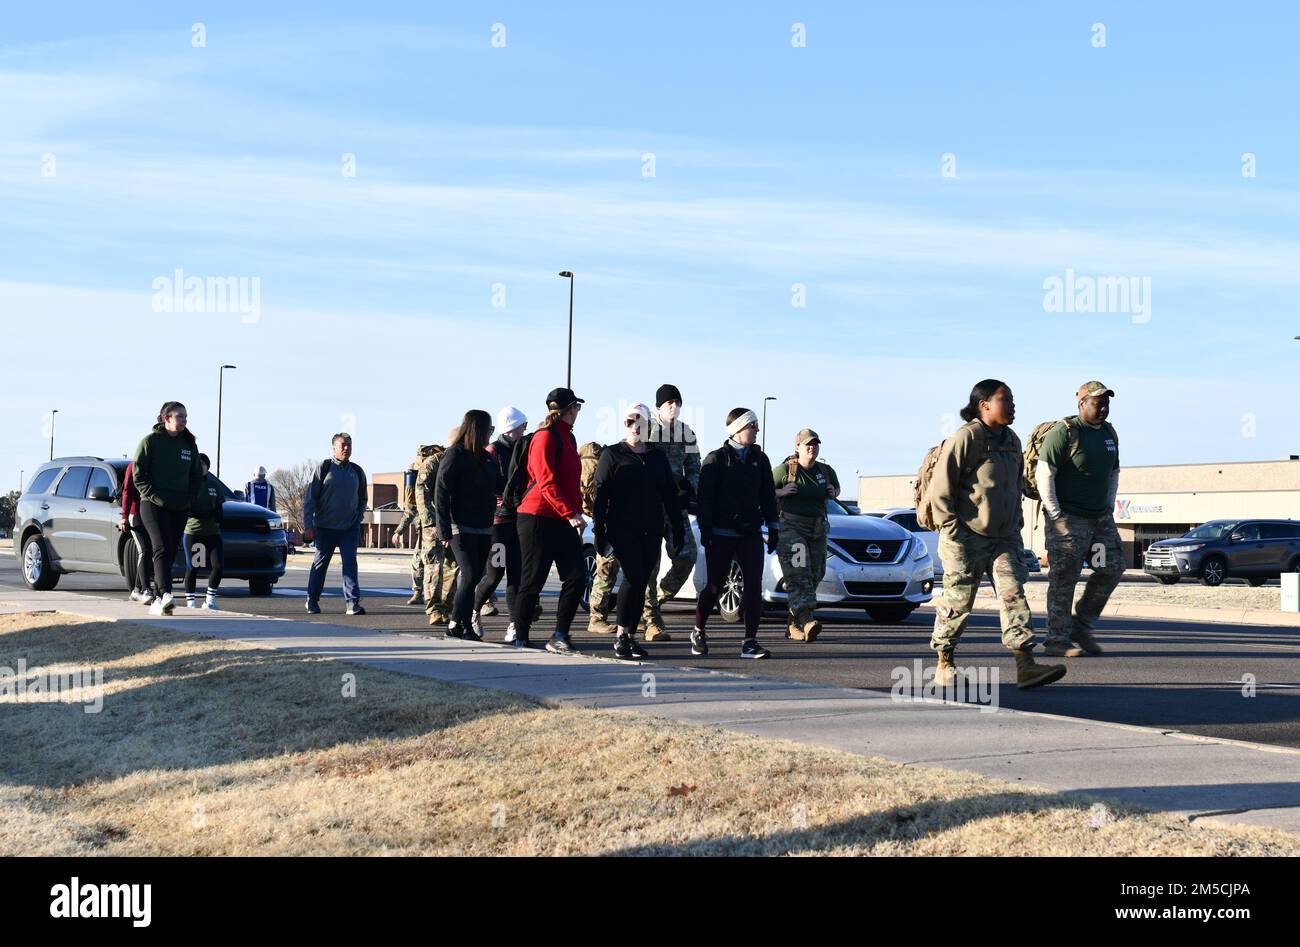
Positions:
{"x": 67, "y": 521}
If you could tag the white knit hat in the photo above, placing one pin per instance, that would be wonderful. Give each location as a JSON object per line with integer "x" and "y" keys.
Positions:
{"x": 509, "y": 418}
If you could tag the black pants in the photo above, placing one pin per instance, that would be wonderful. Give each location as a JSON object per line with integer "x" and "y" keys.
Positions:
{"x": 165, "y": 529}
{"x": 502, "y": 561}
{"x": 472, "y": 551}
{"x": 637, "y": 554}
{"x": 203, "y": 551}
{"x": 144, "y": 562}
{"x": 542, "y": 541}
{"x": 748, "y": 552}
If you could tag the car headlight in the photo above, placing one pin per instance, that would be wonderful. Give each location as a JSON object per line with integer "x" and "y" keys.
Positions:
{"x": 1189, "y": 548}
{"x": 276, "y": 524}
{"x": 920, "y": 550}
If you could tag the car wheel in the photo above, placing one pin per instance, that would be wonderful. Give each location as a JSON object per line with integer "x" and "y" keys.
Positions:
{"x": 1255, "y": 581}
{"x": 733, "y": 593}
{"x": 1167, "y": 579}
{"x": 260, "y": 586}
{"x": 130, "y": 562}
{"x": 889, "y": 614}
{"x": 1213, "y": 571}
{"x": 589, "y": 564}
{"x": 37, "y": 571}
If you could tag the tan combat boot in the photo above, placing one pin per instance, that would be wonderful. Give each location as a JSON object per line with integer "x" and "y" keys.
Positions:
{"x": 417, "y": 598}
{"x": 946, "y": 672}
{"x": 811, "y": 627}
{"x": 1062, "y": 649}
{"x": 437, "y": 616}
{"x": 1029, "y": 674}
{"x": 655, "y": 631}
{"x": 599, "y": 625}
{"x": 1084, "y": 639}
{"x": 794, "y": 629}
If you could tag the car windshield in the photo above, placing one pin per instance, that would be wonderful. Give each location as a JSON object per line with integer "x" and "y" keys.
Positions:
{"x": 226, "y": 492}
{"x": 1212, "y": 530}
{"x": 835, "y": 509}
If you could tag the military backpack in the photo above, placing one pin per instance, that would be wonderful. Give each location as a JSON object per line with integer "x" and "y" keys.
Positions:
{"x": 589, "y": 453}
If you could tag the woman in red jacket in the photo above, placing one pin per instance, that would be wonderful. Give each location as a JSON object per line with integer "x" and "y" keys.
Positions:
{"x": 550, "y": 521}
{"x": 142, "y": 592}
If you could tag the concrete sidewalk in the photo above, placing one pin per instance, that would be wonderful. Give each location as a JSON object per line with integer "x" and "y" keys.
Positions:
{"x": 1194, "y": 777}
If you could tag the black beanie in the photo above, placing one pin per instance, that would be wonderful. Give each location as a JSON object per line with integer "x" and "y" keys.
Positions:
{"x": 667, "y": 393}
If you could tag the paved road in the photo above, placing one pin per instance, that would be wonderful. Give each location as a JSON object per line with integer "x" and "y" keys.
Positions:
{"x": 1173, "y": 675}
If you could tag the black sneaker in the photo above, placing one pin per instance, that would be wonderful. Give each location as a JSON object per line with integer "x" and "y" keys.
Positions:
{"x": 521, "y": 642}
{"x": 623, "y": 648}
{"x": 558, "y": 645}
{"x": 637, "y": 651}
{"x": 471, "y": 634}
{"x": 313, "y": 608}
{"x": 752, "y": 649}
{"x": 453, "y": 631}
{"x": 699, "y": 643}
{"x": 355, "y": 609}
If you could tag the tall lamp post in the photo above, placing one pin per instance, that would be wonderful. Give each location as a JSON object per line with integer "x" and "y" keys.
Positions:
{"x": 765, "y": 401}
{"x": 52, "y": 414}
{"x": 568, "y": 375}
{"x": 221, "y": 392}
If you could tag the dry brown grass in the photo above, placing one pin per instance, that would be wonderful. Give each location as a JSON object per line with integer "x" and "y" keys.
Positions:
{"x": 207, "y": 747}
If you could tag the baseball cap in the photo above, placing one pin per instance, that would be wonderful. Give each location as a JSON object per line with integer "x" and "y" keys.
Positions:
{"x": 806, "y": 436}
{"x": 1092, "y": 389}
{"x": 561, "y": 399}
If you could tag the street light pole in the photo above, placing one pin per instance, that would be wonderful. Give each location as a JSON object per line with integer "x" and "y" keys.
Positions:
{"x": 765, "y": 401}
{"x": 221, "y": 393}
{"x": 568, "y": 375}
{"x": 52, "y": 414}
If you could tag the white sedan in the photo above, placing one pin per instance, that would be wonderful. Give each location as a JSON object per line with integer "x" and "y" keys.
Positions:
{"x": 870, "y": 562}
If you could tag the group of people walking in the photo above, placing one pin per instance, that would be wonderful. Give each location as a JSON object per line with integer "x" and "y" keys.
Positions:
{"x": 511, "y": 508}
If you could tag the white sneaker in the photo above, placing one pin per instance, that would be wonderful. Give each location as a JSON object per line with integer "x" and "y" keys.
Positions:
{"x": 135, "y": 596}
{"x": 476, "y": 622}
{"x": 510, "y": 634}
{"x": 146, "y": 598}
{"x": 156, "y": 608}
{"x": 167, "y": 603}
{"x": 191, "y": 602}
{"x": 210, "y": 604}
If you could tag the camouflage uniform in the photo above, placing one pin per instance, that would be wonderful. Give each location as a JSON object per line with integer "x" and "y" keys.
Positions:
{"x": 966, "y": 558}
{"x": 976, "y": 482}
{"x": 602, "y": 586}
{"x": 801, "y": 547}
{"x": 683, "y": 452}
{"x": 417, "y": 558}
{"x": 1071, "y": 541}
{"x": 439, "y": 567}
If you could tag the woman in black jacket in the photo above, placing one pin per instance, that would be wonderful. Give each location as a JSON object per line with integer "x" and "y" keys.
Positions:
{"x": 737, "y": 497}
{"x": 465, "y": 498}
{"x": 635, "y": 496}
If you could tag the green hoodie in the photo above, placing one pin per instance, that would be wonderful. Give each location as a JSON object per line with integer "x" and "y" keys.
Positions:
{"x": 167, "y": 469}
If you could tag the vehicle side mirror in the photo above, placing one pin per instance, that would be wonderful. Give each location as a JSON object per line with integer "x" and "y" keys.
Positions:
{"x": 103, "y": 494}
{"x": 1236, "y": 537}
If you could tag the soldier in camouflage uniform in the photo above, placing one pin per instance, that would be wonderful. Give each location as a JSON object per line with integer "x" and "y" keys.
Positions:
{"x": 975, "y": 497}
{"x": 1078, "y": 477}
{"x": 439, "y": 567}
{"x": 602, "y": 598}
{"x": 409, "y": 515}
{"x": 677, "y": 441}
{"x": 803, "y": 485}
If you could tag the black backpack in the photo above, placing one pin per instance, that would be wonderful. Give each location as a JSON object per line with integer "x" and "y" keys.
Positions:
{"x": 517, "y": 482}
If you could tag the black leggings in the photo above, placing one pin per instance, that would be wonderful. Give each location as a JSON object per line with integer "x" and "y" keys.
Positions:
{"x": 165, "y": 529}
{"x": 144, "y": 562}
{"x": 637, "y": 554}
{"x": 502, "y": 561}
{"x": 472, "y": 550}
{"x": 213, "y": 553}
{"x": 748, "y": 552}
{"x": 543, "y": 540}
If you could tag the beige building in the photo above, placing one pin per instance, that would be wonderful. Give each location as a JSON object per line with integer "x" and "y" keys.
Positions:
{"x": 1154, "y": 502}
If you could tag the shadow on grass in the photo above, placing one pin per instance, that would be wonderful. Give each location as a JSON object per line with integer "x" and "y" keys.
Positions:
{"x": 210, "y": 707}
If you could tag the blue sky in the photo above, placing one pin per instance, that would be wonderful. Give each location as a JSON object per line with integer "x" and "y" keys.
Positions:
{"x": 483, "y": 170}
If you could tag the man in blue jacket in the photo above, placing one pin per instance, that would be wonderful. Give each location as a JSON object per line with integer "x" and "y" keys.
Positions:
{"x": 259, "y": 490}
{"x": 331, "y": 513}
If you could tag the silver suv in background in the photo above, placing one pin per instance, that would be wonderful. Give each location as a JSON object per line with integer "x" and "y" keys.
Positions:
{"x": 67, "y": 521}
